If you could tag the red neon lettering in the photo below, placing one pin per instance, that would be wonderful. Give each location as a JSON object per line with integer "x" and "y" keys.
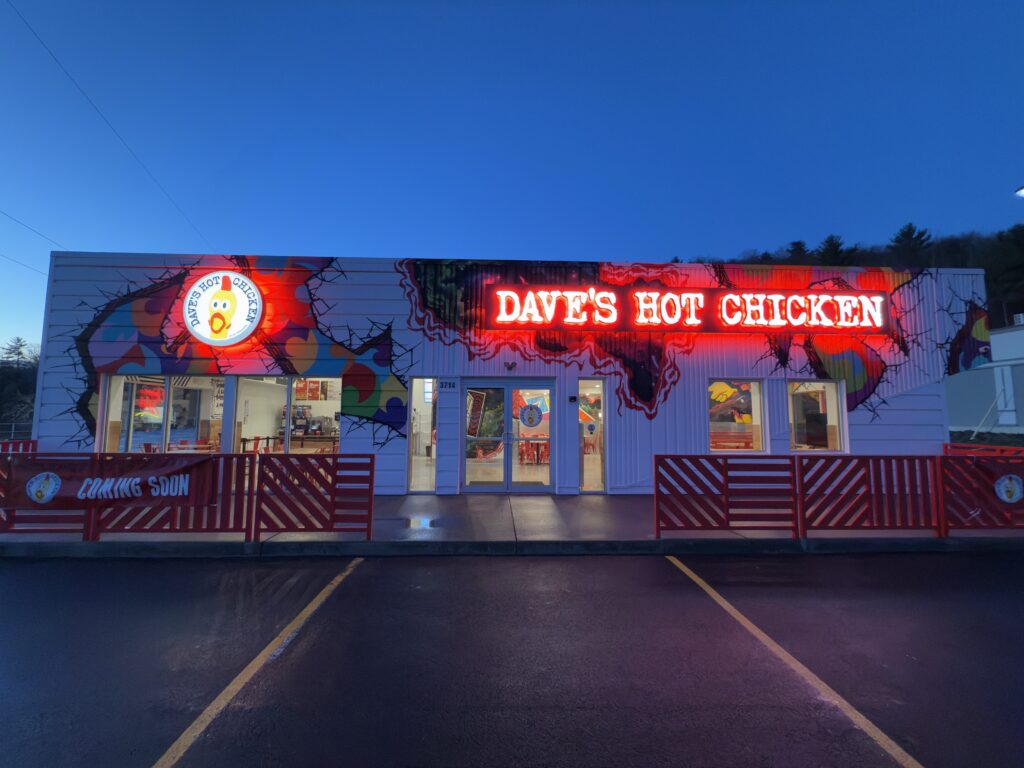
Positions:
{"x": 668, "y": 308}
{"x": 597, "y": 308}
{"x": 549, "y": 300}
{"x": 796, "y": 318}
{"x": 605, "y": 312}
{"x": 729, "y": 309}
{"x": 871, "y": 310}
{"x": 816, "y": 303}
{"x": 546, "y": 307}
{"x": 776, "y": 319}
{"x": 753, "y": 308}
{"x": 574, "y": 314}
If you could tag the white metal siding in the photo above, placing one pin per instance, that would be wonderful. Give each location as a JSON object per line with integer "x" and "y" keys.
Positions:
{"x": 908, "y": 416}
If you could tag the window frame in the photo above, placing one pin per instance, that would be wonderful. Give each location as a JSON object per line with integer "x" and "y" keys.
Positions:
{"x": 603, "y": 380}
{"x": 842, "y": 421}
{"x": 765, "y": 442}
{"x": 434, "y": 404}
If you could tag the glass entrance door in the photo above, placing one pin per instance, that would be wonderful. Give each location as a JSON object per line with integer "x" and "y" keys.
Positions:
{"x": 507, "y": 428}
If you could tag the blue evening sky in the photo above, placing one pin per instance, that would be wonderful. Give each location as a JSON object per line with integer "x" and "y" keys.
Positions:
{"x": 539, "y": 130}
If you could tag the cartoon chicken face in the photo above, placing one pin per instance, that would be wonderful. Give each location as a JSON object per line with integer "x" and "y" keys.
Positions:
{"x": 222, "y": 309}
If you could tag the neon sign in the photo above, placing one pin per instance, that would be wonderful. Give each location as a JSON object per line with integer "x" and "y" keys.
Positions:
{"x": 655, "y": 308}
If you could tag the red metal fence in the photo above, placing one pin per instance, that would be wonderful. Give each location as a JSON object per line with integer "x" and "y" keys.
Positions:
{"x": 980, "y": 449}
{"x": 251, "y": 495}
{"x": 315, "y": 493}
{"x": 17, "y": 446}
{"x": 806, "y": 494}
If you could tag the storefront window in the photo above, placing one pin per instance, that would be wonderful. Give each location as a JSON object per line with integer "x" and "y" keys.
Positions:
{"x": 591, "y": 416}
{"x": 422, "y": 435}
{"x": 196, "y": 414}
{"x": 814, "y": 416}
{"x": 315, "y": 413}
{"x": 260, "y": 420}
{"x": 135, "y": 414}
{"x": 734, "y": 412}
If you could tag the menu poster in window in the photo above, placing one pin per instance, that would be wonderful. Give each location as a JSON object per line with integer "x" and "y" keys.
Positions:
{"x": 217, "y": 403}
{"x": 313, "y": 391}
{"x": 301, "y": 389}
{"x": 325, "y": 390}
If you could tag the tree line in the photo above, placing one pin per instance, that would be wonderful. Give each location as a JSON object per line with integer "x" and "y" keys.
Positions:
{"x": 1001, "y": 255}
{"x": 19, "y": 367}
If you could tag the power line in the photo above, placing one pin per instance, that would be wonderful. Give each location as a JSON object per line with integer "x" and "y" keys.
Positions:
{"x": 109, "y": 124}
{"x": 23, "y": 264}
{"x": 32, "y": 229}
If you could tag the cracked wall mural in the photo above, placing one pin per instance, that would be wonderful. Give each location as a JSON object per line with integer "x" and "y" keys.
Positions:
{"x": 142, "y": 331}
{"x": 446, "y": 299}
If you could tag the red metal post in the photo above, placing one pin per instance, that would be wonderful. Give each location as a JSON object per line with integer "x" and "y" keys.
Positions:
{"x": 91, "y": 528}
{"x": 369, "y": 514}
{"x": 800, "y": 530}
{"x": 657, "y": 522}
{"x": 725, "y": 493}
{"x": 254, "y": 500}
{"x": 941, "y": 521}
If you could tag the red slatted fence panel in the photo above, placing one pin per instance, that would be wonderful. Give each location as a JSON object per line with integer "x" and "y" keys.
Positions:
{"x": 689, "y": 493}
{"x": 868, "y": 492}
{"x": 760, "y": 493}
{"x": 353, "y": 493}
{"x": 314, "y": 493}
{"x": 971, "y": 488}
{"x": 724, "y": 493}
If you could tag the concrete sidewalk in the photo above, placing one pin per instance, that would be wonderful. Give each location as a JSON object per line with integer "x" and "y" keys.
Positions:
{"x": 501, "y": 524}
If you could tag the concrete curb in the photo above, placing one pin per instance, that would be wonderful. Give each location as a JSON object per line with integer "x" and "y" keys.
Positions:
{"x": 284, "y": 549}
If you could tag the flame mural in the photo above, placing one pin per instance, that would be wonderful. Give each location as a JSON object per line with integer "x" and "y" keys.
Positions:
{"x": 447, "y": 306}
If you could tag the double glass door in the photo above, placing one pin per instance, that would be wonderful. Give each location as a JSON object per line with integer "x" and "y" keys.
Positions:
{"x": 507, "y": 429}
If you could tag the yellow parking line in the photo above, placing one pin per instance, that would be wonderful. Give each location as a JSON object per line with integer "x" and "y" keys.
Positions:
{"x": 207, "y": 716}
{"x": 894, "y": 750}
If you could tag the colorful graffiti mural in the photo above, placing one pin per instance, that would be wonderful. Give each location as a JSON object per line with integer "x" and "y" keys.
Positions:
{"x": 972, "y": 345}
{"x": 144, "y": 332}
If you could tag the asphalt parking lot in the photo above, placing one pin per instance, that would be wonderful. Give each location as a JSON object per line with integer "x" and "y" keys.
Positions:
{"x": 559, "y": 661}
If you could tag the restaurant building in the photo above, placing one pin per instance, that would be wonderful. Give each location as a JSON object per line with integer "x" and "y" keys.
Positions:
{"x": 519, "y": 376}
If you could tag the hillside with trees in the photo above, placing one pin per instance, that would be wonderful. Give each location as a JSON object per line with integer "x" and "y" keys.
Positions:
{"x": 1001, "y": 255}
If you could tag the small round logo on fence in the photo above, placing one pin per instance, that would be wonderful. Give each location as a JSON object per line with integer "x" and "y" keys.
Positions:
{"x": 43, "y": 487}
{"x": 530, "y": 415}
{"x": 222, "y": 308}
{"x": 1009, "y": 488}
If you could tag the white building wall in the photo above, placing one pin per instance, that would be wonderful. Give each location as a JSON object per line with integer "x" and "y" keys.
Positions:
{"x": 906, "y": 414}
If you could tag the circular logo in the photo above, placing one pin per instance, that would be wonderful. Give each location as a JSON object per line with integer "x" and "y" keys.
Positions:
{"x": 1009, "y": 488}
{"x": 591, "y": 428}
{"x": 530, "y": 415}
{"x": 43, "y": 487}
{"x": 222, "y": 308}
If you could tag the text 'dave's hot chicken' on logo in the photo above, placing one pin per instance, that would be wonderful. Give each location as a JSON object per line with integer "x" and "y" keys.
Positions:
{"x": 222, "y": 308}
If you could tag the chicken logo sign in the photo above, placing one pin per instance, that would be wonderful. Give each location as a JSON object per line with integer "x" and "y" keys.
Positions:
{"x": 1009, "y": 489}
{"x": 222, "y": 308}
{"x": 43, "y": 487}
